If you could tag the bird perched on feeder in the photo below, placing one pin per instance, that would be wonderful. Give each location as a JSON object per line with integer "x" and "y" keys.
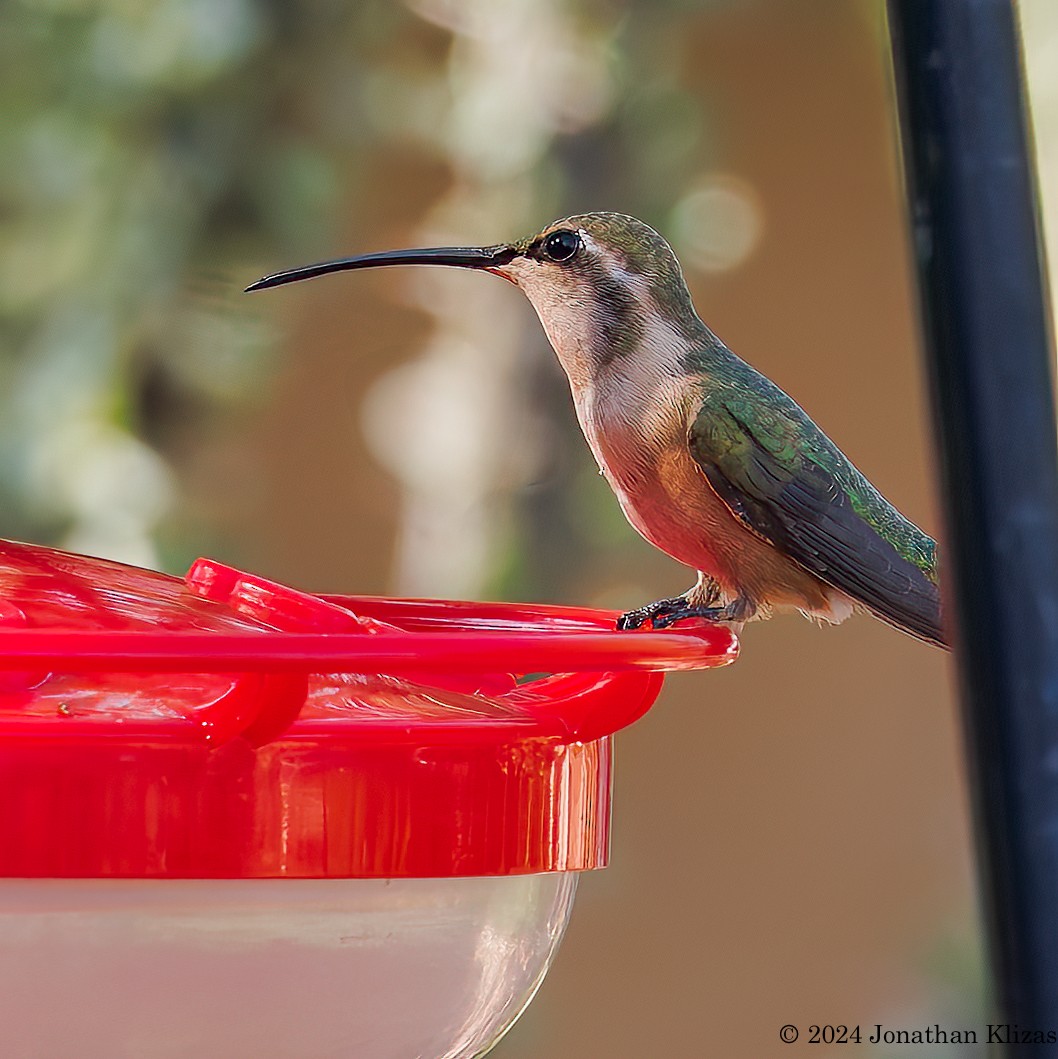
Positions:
{"x": 711, "y": 462}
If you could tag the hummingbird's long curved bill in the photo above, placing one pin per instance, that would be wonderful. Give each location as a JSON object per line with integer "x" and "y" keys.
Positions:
{"x": 460, "y": 257}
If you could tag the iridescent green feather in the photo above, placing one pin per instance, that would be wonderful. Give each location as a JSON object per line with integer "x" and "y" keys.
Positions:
{"x": 790, "y": 436}
{"x": 790, "y": 484}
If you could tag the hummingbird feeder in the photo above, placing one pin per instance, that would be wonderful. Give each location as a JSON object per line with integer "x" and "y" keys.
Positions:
{"x": 239, "y": 819}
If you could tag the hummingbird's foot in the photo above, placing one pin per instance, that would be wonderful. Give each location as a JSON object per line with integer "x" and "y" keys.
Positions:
{"x": 664, "y": 612}
{"x": 652, "y": 611}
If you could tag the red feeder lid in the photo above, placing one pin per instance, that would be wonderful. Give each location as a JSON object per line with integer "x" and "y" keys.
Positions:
{"x": 227, "y": 726}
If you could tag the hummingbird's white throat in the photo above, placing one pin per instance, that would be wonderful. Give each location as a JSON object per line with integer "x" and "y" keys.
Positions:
{"x": 577, "y": 317}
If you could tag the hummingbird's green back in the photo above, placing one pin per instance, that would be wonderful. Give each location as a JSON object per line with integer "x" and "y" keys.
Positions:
{"x": 789, "y": 483}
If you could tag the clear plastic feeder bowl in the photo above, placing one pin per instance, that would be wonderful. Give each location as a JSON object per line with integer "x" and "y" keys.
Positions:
{"x": 239, "y": 820}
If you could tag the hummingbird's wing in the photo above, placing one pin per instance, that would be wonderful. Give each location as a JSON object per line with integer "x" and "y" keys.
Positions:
{"x": 788, "y": 483}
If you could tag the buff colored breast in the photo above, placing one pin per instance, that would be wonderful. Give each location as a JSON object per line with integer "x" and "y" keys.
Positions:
{"x": 641, "y": 447}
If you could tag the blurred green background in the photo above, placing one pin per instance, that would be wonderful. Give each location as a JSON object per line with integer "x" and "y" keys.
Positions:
{"x": 790, "y": 841}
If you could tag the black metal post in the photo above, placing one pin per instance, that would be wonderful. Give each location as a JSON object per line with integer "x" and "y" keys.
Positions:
{"x": 973, "y": 213}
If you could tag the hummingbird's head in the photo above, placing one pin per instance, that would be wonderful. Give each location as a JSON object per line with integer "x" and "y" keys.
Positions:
{"x": 604, "y": 285}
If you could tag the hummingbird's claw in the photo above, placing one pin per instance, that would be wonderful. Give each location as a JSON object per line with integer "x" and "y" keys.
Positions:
{"x": 665, "y": 612}
{"x": 635, "y": 618}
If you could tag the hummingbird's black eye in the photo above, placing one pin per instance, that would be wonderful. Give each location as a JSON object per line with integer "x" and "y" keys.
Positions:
{"x": 561, "y": 245}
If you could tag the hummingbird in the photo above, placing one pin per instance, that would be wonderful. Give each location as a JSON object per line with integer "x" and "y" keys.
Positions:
{"x": 711, "y": 461}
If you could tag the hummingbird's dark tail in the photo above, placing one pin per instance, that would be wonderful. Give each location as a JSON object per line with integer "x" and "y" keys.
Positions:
{"x": 916, "y": 610}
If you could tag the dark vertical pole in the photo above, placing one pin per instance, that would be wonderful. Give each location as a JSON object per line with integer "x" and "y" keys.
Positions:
{"x": 972, "y": 202}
